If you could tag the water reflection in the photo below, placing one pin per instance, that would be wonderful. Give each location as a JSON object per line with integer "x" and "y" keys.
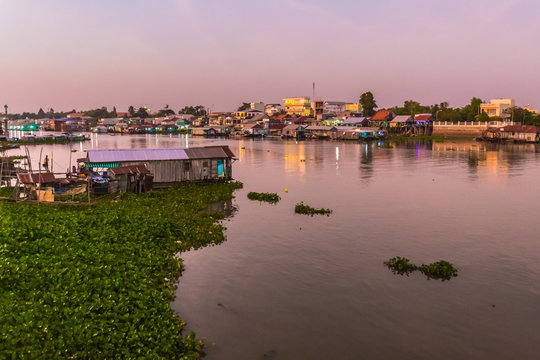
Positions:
{"x": 224, "y": 207}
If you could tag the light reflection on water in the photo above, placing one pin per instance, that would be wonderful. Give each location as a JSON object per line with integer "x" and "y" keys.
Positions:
{"x": 296, "y": 287}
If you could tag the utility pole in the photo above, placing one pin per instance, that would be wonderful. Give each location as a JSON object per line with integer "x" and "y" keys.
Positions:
{"x": 6, "y": 121}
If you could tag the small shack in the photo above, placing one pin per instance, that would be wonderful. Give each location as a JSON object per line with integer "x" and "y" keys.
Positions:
{"x": 168, "y": 165}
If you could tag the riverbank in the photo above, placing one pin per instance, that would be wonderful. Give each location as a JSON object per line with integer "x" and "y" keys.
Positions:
{"x": 97, "y": 282}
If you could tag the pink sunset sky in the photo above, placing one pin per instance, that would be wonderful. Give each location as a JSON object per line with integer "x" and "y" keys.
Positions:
{"x": 68, "y": 54}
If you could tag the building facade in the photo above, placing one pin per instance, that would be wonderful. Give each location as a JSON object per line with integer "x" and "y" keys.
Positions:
{"x": 498, "y": 107}
{"x": 298, "y": 106}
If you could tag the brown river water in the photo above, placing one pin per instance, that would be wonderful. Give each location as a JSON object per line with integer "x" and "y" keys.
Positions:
{"x": 288, "y": 286}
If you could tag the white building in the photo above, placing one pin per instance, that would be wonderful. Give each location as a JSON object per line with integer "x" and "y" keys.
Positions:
{"x": 334, "y": 107}
{"x": 259, "y": 106}
{"x": 272, "y": 109}
{"x": 498, "y": 107}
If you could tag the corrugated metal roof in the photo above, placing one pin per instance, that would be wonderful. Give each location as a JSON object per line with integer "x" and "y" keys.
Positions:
{"x": 345, "y": 128}
{"x": 206, "y": 153}
{"x": 423, "y": 117}
{"x": 382, "y": 115}
{"x": 129, "y": 169}
{"x": 34, "y": 178}
{"x": 131, "y": 155}
{"x": 315, "y": 127}
{"x": 354, "y": 120}
{"x": 121, "y": 155}
{"x": 225, "y": 148}
{"x": 521, "y": 128}
{"x": 401, "y": 118}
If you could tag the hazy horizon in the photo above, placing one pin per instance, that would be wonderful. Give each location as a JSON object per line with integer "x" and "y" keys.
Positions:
{"x": 82, "y": 55}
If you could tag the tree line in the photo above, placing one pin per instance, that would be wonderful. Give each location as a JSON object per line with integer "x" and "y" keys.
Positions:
{"x": 368, "y": 107}
{"x": 443, "y": 112}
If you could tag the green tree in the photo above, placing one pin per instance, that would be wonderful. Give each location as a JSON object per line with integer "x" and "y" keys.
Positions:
{"x": 41, "y": 114}
{"x": 100, "y": 113}
{"x": 475, "y": 105}
{"x": 367, "y": 101}
{"x": 165, "y": 112}
{"x": 483, "y": 117}
{"x": 193, "y": 110}
{"x": 142, "y": 113}
{"x": 114, "y": 113}
{"x": 244, "y": 106}
{"x": 522, "y": 116}
{"x": 131, "y": 110}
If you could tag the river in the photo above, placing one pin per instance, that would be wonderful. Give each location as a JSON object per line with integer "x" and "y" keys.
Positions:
{"x": 288, "y": 286}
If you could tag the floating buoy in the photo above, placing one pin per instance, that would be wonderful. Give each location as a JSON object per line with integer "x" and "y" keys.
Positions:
{"x": 286, "y": 190}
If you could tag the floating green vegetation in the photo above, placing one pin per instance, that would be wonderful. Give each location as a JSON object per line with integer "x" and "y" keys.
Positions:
{"x": 441, "y": 270}
{"x": 301, "y": 208}
{"x": 400, "y": 265}
{"x": 96, "y": 282}
{"x": 268, "y": 197}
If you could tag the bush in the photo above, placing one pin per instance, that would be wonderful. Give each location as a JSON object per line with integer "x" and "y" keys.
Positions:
{"x": 268, "y": 197}
{"x": 301, "y": 208}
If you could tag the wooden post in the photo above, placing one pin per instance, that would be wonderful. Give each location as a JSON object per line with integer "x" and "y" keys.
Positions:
{"x": 39, "y": 178}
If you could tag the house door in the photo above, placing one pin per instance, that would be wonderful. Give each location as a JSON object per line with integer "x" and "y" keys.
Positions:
{"x": 220, "y": 171}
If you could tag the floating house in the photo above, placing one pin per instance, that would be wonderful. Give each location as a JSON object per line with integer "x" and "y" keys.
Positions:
{"x": 294, "y": 131}
{"x": 401, "y": 120}
{"x": 254, "y": 130}
{"x": 520, "y": 133}
{"x": 318, "y": 132}
{"x": 355, "y": 121}
{"x": 167, "y": 165}
{"x": 382, "y": 118}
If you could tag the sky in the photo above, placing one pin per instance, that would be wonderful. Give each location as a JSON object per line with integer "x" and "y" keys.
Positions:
{"x": 77, "y": 54}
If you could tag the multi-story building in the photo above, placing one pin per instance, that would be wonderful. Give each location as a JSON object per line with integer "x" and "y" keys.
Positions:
{"x": 334, "y": 107}
{"x": 259, "y": 106}
{"x": 298, "y": 106}
{"x": 354, "y": 107}
{"x": 272, "y": 109}
{"x": 247, "y": 114}
{"x": 318, "y": 109}
{"x": 498, "y": 107}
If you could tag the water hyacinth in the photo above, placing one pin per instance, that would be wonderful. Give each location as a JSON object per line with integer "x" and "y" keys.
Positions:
{"x": 301, "y": 208}
{"x": 267, "y": 197}
{"x": 400, "y": 265}
{"x": 95, "y": 282}
{"x": 440, "y": 270}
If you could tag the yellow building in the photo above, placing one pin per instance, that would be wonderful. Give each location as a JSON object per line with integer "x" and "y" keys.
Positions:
{"x": 352, "y": 107}
{"x": 528, "y": 108}
{"x": 498, "y": 107}
{"x": 298, "y": 106}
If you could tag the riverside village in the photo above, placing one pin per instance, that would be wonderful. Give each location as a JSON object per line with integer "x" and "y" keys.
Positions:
{"x": 110, "y": 171}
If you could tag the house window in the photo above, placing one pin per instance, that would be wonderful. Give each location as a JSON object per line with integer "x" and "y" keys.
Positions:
{"x": 187, "y": 166}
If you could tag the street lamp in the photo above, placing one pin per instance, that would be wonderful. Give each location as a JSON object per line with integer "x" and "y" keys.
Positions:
{"x": 437, "y": 115}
